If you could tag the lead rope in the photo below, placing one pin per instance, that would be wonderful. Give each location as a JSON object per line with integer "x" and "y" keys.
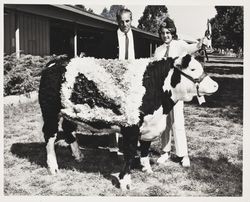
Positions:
{"x": 195, "y": 81}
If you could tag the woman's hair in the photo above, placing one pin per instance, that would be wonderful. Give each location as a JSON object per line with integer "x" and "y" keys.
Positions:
{"x": 168, "y": 24}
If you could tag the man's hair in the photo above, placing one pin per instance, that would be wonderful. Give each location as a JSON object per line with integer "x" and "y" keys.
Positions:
{"x": 168, "y": 24}
{"x": 121, "y": 11}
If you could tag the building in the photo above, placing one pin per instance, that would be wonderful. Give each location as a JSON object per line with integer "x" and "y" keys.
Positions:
{"x": 63, "y": 29}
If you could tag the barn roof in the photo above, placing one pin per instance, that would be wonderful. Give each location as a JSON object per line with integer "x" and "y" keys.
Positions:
{"x": 98, "y": 17}
{"x": 73, "y": 14}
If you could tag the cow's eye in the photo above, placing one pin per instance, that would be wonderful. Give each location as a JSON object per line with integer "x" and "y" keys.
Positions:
{"x": 192, "y": 70}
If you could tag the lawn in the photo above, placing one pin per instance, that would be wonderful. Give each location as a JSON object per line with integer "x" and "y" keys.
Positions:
{"x": 215, "y": 142}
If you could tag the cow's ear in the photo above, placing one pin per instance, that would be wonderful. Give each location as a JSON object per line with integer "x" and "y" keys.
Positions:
{"x": 175, "y": 58}
{"x": 185, "y": 61}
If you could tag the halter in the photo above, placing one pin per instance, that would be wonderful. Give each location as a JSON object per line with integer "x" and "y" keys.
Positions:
{"x": 195, "y": 81}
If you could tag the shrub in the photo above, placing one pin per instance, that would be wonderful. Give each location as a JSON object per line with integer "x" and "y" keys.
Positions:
{"x": 22, "y": 75}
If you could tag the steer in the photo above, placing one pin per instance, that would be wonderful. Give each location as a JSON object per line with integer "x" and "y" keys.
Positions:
{"x": 162, "y": 84}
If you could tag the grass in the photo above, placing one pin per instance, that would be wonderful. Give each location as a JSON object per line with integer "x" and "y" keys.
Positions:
{"x": 214, "y": 133}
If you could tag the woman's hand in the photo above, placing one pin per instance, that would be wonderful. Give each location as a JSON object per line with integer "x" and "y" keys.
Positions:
{"x": 199, "y": 44}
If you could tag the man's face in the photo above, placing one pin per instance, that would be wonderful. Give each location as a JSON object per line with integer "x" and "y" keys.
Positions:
{"x": 125, "y": 22}
{"x": 166, "y": 35}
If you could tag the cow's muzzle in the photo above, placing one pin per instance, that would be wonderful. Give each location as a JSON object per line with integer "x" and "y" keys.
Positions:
{"x": 196, "y": 81}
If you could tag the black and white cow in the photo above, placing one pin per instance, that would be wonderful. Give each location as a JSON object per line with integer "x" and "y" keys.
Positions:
{"x": 165, "y": 81}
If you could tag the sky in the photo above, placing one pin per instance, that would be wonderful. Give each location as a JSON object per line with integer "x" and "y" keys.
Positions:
{"x": 190, "y": 21}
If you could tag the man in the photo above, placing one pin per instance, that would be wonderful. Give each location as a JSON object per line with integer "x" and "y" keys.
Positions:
{"x": 113, "y": 44}
{"x": 126, "y": 50}
{"x": 125, "y": 35}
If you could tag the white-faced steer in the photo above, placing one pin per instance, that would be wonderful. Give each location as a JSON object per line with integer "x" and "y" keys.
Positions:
{"x": 162, "y": 84}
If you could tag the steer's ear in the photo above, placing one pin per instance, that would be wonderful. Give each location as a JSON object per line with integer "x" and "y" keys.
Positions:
{"x": 175, "y": 58}
{"x": 185, "y": 61}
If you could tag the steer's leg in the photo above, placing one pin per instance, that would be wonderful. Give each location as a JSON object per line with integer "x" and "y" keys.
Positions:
{"x": 69, "y": 129}
{"x": 145, "y": 161}
{"x": 130, "y": 139}
{"x": 51, "y": 156}
{"x": 50, "y": 128}
{"x": 50, "y": 103}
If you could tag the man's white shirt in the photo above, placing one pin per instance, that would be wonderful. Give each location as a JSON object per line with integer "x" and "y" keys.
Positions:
{"x": 121, "y": 41}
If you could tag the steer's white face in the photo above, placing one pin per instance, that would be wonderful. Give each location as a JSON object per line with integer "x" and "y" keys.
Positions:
{"x": 185, "y": 89}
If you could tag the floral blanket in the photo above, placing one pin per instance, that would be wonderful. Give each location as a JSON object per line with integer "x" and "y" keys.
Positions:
{"x": 100, "y": 90}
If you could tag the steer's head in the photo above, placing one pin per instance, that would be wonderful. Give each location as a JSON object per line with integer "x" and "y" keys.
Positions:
{"x": 187, "y": 79}
{"x": 180, "y": 84}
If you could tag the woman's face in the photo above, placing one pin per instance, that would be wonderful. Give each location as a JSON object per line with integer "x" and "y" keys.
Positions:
{"x": 166, "y": 35}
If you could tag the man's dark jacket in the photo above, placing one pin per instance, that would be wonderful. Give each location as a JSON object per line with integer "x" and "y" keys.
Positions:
{"x": 109, "y": 47}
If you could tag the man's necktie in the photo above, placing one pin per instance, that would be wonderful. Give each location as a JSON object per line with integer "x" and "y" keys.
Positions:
{"x": 126, "y": 46}
{"x": 166, "y": 53}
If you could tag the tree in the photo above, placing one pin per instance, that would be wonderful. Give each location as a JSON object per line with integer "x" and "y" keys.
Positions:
{"x": 111, "y": 13}
{"x": 82, "y": 7}
{"x": 227, "y": 27}
{"x": 152, "y": 18}
{"x": 90, "y": 10}
{"x": 105, "y": 12}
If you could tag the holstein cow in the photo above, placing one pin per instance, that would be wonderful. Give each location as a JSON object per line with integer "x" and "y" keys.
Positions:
{"x": 153, "y": 89}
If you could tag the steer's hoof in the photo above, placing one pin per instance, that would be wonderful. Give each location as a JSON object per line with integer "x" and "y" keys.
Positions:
{"x": 125, "y": 183}
{"x": 185, "y": 162}
{"x": 53, "y": 171}
{"x": 164, "y": 159}
{"x": 147, "y": 170}
{"x": 52, "y": 165}
{"x": 76, "y": 152}
{"x": 125, "y": 187}
{"x": 146, "y": 167}
{"x": 79, "y": 157}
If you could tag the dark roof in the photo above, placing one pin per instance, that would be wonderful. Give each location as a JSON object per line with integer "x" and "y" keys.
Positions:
{"x": 73, "y": 14}
{"x": 97, "y": 17}
{"x": 83, "y": 12}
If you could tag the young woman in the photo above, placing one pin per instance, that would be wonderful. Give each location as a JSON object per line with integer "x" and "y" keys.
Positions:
{"x": 171, "y": 47}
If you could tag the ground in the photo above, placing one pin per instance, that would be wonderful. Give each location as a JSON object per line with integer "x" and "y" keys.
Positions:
{"x": 215, "y": 139}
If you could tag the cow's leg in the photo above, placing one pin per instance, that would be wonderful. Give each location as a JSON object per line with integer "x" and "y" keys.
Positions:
{"x": 76, "y": 152}
{"x": 51, "y": 156}
{"x": 145, "y": 162}
{"x": 69, "y": 129}
{"x": 50, "y": 129}
{"x": 130, "y": 139}
{"x": 50, "y": 103}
